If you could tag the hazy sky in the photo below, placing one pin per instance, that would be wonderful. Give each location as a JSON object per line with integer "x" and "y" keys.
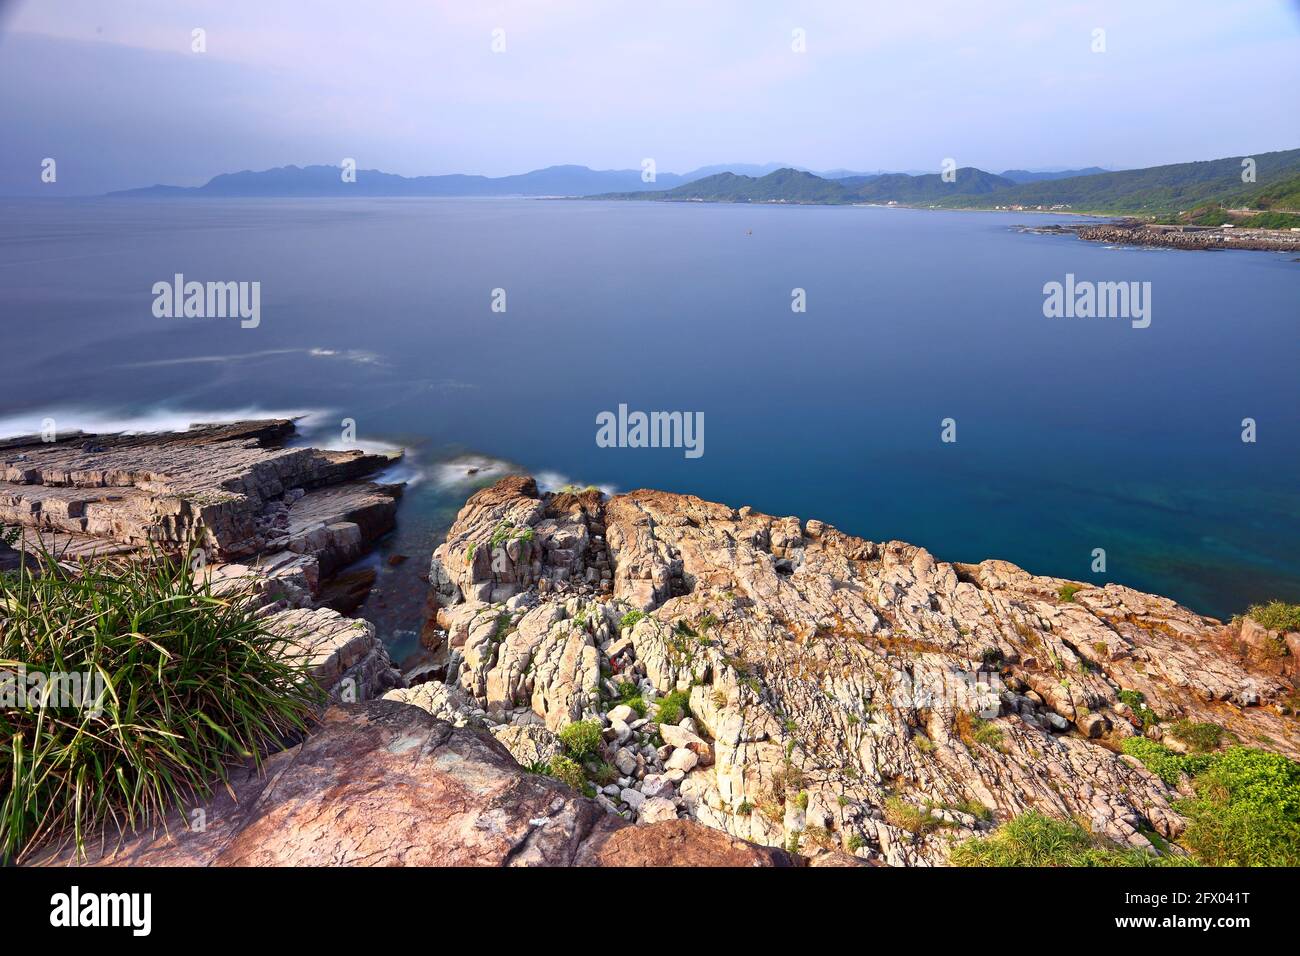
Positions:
{"x": 113, "y": 91}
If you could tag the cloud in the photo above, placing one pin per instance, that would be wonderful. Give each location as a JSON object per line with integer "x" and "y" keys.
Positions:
{"x": 415, "y": 88}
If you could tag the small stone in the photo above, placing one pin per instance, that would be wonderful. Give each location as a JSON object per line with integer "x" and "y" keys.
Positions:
{"x": 657, "y": 810}
{"x": 657, "y": 785}
{"x": 682, "y": 759}
{"x": 625, "y": 761}
{"x": 622, "y": 713}
{"x": 633, "y": 798}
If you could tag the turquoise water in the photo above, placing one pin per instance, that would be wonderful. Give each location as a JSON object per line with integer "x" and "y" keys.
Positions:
{"x": 1071, "y": 434}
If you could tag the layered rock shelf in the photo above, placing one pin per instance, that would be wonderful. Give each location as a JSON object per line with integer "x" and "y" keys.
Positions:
{"x": 254, "y": 510}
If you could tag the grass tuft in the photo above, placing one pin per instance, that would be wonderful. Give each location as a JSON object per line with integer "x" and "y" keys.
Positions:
{"x": 192, "y": 681}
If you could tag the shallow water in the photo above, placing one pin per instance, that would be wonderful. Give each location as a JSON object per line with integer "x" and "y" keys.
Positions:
{"x": 1072, "y": 434}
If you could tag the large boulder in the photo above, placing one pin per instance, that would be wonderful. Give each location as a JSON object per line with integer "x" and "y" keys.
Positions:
{"x": 384, "y": 783}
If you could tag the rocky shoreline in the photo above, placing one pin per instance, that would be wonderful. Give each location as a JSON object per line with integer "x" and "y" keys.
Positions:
{"x": 1136, "y": 232}
{"x": 844, "y": 695}
{"x": 747, "y": 689}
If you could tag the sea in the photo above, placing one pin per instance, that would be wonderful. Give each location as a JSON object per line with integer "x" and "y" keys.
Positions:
{"x": 892, "y": 372}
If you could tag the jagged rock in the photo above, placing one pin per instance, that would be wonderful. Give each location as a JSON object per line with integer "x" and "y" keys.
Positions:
{"x": 443, "y": 702}
{"x": 385, "y": 784}
{"x": 657, "y": 810}
{"x": 827, "y": 674}
{"x": 344, "y": 655}
{"x": 529, "y": 744}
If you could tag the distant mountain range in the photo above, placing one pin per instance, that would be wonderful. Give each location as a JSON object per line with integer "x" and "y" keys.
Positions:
{"x": 302, "y": 181}
{"x": 1158, "y": 190}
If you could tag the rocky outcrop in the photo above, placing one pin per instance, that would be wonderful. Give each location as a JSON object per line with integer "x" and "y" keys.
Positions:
{"x": 844, "y": 695}
{"x": 254, "y": 512}
{"x": 385, "y": 784}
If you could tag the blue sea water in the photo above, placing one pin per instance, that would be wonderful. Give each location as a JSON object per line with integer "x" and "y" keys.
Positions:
{"x": 1072, "y": 434}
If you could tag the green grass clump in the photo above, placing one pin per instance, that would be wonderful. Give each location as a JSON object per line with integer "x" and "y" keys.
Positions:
{"x": 1033, "y": 839}
{"x": 987, "y": 733}
{"x": 581, "y": 739}
{"x": 910, "y": 817}
{"x": 1201, "y": 737}
{"x": 506, "y": 532}
{"x": 1275, "y": 615}
{"x": 1068, "y": 591}
{"x": 673, "y": 707}
{"x": 975, "y": 809}
{"x": 192, "y": 681}
{"x": 629, "y": 619}
{"x": 1246, "y": 811}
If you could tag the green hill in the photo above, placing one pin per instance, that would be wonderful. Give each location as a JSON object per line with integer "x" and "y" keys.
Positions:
{"x": 1157, "y": 190}
{"x": 930, "y": 188}
{"x": 784, "y": 185}
{"x": 1201, "y": 191}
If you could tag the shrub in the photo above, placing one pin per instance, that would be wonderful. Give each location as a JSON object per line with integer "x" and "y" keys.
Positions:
{"x": 673, "y": 707}
{"x": 603, "y": 773}
{"x": 1033, "y": 839}
{"x": 630, "y": 694}
{"x": 1163, "y": 762}
{"x": 1202, "y": 738}
{"x": 568, "y": 771}
{"x": 629, "y": 619}
{"x": 1247, "y": 810}
{"x": 581, "y": 739}
{"x": 1137, "y": 702}
{"x": 192, "y": 681}
{"x": 1275, "y": 615}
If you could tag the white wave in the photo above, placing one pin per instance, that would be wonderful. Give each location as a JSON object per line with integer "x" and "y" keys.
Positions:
{"x": 554, "y": 481}
{"x": 351, "y": 355}
{"x": 471, "y": 470}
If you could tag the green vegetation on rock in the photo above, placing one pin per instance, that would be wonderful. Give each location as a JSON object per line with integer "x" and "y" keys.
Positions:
{"x": 581, "y": 739}
{"x": 1275, "y": 615}
{"x": 1033, "y": 839}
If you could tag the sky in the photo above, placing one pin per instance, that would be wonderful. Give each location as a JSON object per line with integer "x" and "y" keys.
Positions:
{"x": 114, "y": 91}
